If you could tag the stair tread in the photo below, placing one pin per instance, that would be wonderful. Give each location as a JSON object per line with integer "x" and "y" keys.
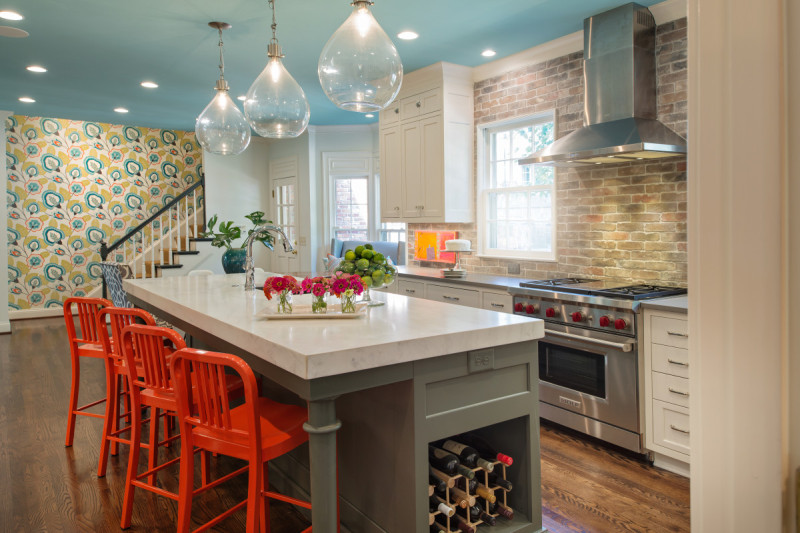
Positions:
{"x": 202, "y": 239}
{"x": 185, "y": 252}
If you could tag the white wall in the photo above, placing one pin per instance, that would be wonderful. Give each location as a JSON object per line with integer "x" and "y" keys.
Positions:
{"x": 5, "y": 325}
{"x": 238, "y": 185}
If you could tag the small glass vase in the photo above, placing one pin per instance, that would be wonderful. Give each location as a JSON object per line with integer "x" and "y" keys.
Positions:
{"x": 284, "y": 303}
{"x": 348, "y": 303}
{"x": 319, "y": 304}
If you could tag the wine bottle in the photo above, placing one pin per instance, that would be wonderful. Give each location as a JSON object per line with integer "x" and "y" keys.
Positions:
{"x": 476, "y": 513}
{"x": 484, "y": 492}
{"x": 504, "y": 484}
{"x": 462, "y": 524}
{"x": 484, "y": 448}
{"x": 468, "y": 455}
{"x": 503, "y": 510}
{"x": 467, "y": 484}
{"x": 436, "y": 528}
{"x": 449, "y": 481}
{"x": 455, "y": 500}
{"x": 446, "y": 462}
{"x": 458, "y": 493}
{"x": 434, "y": 481}
{"x": 436, "y": 504}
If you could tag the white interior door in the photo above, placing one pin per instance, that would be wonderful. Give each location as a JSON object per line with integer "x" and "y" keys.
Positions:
{"x": 284, "y": 209}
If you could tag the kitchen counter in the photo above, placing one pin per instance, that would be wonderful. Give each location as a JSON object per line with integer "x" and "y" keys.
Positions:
{"x": 679, "y": 304}
{"x": 408, "y": 373}
{"x": 478, "y": 280}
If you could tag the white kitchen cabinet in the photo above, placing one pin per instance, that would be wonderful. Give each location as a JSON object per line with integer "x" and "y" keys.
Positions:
{"x": 426, "y": 145}
{"x": 456, "y": 293}
{"x": 497, "y": 301}
{"x": 407, "y": 287}
{"x": 666, "y": 379}
{"x": 453, "y": 295}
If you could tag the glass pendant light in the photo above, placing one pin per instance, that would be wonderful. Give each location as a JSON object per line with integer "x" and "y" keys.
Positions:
{"x": 276, "y": 106}
{"x": 221, "y": 127}
{"x": 360, "y": 69}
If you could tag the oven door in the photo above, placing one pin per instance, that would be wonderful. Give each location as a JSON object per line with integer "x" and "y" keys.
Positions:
{"x": 592, "y": 376}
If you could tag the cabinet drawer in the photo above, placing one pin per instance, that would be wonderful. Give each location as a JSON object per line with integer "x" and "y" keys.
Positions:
{"x": 390, "y": 115}
{"x": 670, "y": 389}
{"x": 421, "y": 104}
{"x": 670, "y": 360}
{"x": 411, "y": 288}
{"x": 453, "y": 295}
{"x": 497, "y": 301}
{"x": 669, "y": 331}
{"x": 671, "y": 426}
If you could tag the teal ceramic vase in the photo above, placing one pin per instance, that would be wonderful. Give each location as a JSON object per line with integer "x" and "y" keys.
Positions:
{"x": 233, "y": 260}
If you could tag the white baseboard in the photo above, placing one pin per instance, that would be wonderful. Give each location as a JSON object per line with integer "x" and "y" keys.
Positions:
{"x": 5, "y": 327}
{"x": 50, "y": 312}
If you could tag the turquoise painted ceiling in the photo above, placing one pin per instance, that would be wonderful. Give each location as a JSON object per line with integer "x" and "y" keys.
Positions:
{"x": 98, "y": 51}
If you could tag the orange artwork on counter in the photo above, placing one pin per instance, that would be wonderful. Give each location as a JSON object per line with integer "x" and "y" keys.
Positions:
{"x": 428, "y": 246}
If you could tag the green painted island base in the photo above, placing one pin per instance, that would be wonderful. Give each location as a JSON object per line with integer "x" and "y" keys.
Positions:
{"x": 382, "y": 443}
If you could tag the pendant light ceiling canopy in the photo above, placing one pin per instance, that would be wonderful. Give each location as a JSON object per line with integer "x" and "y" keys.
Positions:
{"x": 359, "y": 68}
{"x": 221, "y": 128}
{"x": 276, "y": 106}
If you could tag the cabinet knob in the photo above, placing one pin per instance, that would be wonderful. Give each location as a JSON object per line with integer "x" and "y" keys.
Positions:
{"x": 396, "y": 110}
{"x": 419, "y": 104}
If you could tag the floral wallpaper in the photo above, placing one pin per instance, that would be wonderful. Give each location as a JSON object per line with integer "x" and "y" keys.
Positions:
{"x": 72, "y": 184}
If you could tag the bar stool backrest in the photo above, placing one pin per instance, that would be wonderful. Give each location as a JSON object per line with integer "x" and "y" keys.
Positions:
{"x": 147, "y": 344}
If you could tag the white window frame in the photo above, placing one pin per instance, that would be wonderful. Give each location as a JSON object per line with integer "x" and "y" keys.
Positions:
{"x": 484, "y": 133}
{"x": 337, "y": 165}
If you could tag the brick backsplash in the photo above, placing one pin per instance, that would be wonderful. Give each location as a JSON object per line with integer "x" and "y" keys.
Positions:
{"x": 625, "y": 221}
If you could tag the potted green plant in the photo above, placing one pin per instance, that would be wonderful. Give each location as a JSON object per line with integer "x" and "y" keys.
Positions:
{"x": 227, "y": 232}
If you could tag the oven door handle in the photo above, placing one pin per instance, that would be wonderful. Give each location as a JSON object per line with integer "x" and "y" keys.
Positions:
{"x": 624, "y": 346}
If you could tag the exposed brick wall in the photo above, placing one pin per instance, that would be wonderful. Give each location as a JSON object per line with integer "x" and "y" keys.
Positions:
{"x": 625, "y": 221}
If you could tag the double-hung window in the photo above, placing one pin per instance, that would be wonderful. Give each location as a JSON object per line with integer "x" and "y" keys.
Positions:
{"x": 516, "y": 202}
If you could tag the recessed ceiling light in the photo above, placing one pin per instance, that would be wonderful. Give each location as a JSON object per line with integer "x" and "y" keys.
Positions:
{"x": 10, "y": 15}
{"x": 120, "y": 110}
{"x": 407, "y": 35}
{"x": 27, "y": 99}
{"x": 36, "y": 68}
{"x": 149, "y": 85}
{"x": 369, "y": 115}
{"x": 488, "y": 53}
{"x": 14, "y": 33}
{"x": 241, "y": 98}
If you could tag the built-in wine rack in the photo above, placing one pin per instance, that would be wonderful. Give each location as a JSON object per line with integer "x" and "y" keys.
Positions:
{"x": 463, "y": 513}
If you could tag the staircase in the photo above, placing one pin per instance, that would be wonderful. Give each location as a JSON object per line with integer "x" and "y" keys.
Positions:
{"x": 157, "y": 245}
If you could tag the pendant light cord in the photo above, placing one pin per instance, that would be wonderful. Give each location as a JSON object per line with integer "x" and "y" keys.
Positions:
{"x": 221, "y": 58}
{"x": 274, "y": 23}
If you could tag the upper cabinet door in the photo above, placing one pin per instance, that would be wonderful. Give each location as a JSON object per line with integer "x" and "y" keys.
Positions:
{"x": 413, "y": 194}
{"x": 391, "y": 175}
{"x": 432, "y": 162}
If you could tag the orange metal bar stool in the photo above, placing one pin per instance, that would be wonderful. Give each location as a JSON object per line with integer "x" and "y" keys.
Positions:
{"x": 256, "y": 431}
{"x": 146, "y": 351}
{"x": 88, "y": 344}
{"x": 116, "y": 377}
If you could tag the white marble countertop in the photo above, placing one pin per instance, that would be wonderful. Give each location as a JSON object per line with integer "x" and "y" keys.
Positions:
{"x": 679, "y": 304}
{"x": 403, "y": 330}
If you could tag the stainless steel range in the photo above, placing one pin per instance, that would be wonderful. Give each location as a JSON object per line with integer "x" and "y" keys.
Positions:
{"x": 589, "y": 362}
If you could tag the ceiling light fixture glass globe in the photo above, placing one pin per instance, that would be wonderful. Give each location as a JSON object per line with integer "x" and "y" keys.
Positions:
{"x": 221, "y": 128}
{"x": 276, "y": 106}
{"x": 359, "y": 68}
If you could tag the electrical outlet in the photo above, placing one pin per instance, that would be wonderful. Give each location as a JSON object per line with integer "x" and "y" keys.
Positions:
{"x": 481, "y": 360}
{"x": 513, "y": 268}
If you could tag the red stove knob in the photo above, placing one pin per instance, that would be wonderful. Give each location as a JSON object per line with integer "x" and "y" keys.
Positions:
{"x": 530, "y": 309}
{"x": 549, "y": 312}
{"x": 518, "y": 307}
{"x": 620, "y": 323}
{"x": 577, "y": 316}
{"x": 605, "y": 321}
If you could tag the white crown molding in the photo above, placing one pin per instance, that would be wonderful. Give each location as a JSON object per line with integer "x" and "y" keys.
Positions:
{"x": 343, "y": 128}
{"x": 568, "y": 44}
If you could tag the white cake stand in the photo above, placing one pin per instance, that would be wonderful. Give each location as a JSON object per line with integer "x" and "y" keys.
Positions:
{"x": 457, "y": 271}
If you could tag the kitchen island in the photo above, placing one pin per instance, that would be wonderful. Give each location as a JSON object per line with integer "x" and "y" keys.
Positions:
{"x": 408, "y": 373}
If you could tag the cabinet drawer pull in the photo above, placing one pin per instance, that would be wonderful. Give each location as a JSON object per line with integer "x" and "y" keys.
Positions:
{"x": 411, "y": 291}
{"x": 679, "y": 363}
{"x": 677, "y": 334}
{"x": 456, "y": 298}
{"x": 672, "y": 426}
{"x": 498, "y": 305}
{"x": 678, "y": 392}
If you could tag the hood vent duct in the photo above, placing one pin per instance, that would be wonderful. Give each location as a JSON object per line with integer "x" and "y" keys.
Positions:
{"x": 619, "y": 72}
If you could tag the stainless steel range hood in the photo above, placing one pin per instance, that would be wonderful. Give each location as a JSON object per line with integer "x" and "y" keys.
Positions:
{"x": 620, "y": 112}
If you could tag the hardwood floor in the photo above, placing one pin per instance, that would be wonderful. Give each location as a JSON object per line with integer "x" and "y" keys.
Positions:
{"x": 47, "y": 487}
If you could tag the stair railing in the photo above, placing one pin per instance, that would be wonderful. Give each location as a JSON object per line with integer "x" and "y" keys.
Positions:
{"x": 176, "y": 222}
